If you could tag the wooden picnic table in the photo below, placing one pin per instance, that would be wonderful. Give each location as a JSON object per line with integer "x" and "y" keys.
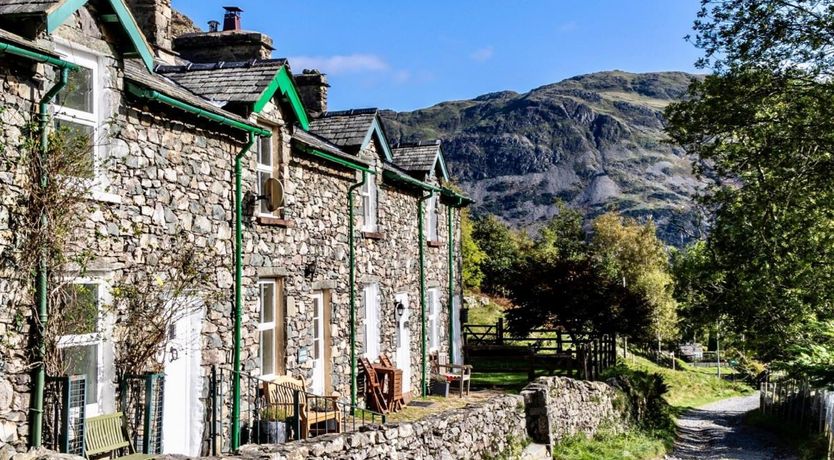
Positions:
{"x": 392, "y": 379}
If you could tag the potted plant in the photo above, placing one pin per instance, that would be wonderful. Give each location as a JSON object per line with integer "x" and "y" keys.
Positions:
{"x": 272, "y": 426}
{"x": 439, "y": 385}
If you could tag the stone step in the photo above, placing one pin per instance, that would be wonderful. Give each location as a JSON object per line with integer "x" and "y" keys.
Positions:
{"x": 535, "y": 451}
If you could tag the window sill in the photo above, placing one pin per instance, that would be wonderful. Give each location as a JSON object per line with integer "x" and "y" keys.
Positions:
{"x": 373, "y": 235}
{"x": 434, "y": 244}
{"x": 270, "y": 221}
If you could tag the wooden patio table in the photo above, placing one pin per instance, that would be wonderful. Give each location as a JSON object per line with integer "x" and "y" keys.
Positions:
{"x": 393, "y": 384}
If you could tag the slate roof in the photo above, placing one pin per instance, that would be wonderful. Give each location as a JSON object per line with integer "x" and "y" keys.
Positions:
{"x": 318, "y": 143}
{"x": 346, "y": 128}
{"x": 136, "y": 72}
{"x": 225, "y": 81}
{"x": 27, "y": 6}
{"x": 416, "y": 157}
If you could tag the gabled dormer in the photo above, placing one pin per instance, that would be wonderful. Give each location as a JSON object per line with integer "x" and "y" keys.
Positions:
{"x": 357, "y": 131}
{"x": 423, "y": 160}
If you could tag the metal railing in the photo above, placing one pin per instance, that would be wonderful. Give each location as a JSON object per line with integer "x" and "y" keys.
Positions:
{"x": 289, "y": 413}
{"x": 141, "y": 398}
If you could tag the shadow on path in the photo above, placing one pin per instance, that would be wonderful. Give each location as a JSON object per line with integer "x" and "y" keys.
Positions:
{"x": 715, "y": 431}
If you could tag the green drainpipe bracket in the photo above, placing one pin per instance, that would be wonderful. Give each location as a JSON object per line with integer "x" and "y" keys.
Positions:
{"x": 421, "y": 235}
{"x": 352, "y": 287}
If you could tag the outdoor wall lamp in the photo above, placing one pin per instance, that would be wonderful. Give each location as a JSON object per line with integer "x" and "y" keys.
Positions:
{"x": 400, "y": 309}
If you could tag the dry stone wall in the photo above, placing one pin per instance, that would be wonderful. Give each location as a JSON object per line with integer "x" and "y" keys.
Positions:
{"x": 492, "y": 429}
{"x": 559, "y": 407}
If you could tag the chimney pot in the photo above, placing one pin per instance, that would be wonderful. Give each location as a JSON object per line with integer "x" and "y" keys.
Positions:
{"x": 231, "y": 20}
{"x": 214, "y": 26}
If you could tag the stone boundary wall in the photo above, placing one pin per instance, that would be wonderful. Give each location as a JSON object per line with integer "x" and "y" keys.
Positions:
{"x": 559, "y": 407}
{"x": 489, "y": 430}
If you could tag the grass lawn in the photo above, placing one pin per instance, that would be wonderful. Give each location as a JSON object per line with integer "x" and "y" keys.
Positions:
{"x": 633, "y": 445}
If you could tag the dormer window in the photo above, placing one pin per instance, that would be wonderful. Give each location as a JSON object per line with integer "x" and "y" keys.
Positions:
{"x": 369, "y": 204}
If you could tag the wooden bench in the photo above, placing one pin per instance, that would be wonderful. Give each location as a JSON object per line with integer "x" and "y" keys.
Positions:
{"x": 106, "y": 437}
{"x": 461, "y": 373}
{"x": 279, "y": 393}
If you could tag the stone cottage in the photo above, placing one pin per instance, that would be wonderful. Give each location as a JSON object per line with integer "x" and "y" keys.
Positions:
{"x": 323, "y": 241}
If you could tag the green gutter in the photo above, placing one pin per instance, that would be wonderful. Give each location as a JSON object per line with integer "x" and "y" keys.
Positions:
{"x": 352, "y": 282}
{"x": 421, "y": 237}
{"x": 410, "y": 180}
{"x": 337, "y": 160}
{"x": 42, "y": 276}
{"x": 224, "y": 120}
{"x": 253, "y": 131}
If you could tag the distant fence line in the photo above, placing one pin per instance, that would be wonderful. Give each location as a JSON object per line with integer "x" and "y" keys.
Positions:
{"x": 811, "y": 409}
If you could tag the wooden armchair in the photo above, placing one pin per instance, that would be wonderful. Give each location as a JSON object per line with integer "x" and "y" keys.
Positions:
{"x": 373, "y": 389}
{"x": 462, "y": 373}
{"x": 279, "y": 393}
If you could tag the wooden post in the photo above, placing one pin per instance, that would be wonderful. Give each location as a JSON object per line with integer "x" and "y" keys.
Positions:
{"x": 500, "y": 332}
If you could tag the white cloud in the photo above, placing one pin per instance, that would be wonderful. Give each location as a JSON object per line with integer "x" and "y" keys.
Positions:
{"x": 482, "y": 54}
{"x": 340, "y": 64}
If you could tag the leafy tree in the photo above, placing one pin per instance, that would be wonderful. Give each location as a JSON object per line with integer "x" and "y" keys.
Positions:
{"x": 472, "y": 254}
{"x": 502, "y": 247}
{"x": 762, "y": 126}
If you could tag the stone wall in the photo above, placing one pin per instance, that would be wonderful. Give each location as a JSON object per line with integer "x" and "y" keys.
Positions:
{"x": 487, "y": 430}
{"x": 559, "y": 407}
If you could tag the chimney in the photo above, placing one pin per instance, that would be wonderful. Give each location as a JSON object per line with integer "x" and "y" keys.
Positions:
{"x": 231, "y": 20}
{"x": 154, "y": 18}
{"x": 232, "y": 44}
{"x": 312, "y": 87}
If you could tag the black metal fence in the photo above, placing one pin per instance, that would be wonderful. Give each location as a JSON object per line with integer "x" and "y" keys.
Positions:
{"x": 287, "y": 413}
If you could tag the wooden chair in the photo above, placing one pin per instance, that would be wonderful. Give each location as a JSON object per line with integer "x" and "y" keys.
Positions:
{"x": 373, "y": 390}
{"x": 106, "y": 437}
{"x": 462, "y": 373}
{"x": 279, "y": 394}
{"x": 386, "y": 361}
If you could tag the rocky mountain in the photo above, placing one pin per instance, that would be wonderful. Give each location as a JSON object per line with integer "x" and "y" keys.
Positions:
{"x": 594, "y": 141}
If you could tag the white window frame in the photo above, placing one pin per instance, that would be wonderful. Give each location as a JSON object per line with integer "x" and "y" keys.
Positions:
{"x": 370, "y": 299}
{"x": 268, "y": 169}
{"x": 104, "y": 364}
{"x": 370, "y": 195}
{"x": 266, "y": 326}
{"x": 432, "y": 219}
{"x": 87, "y": 59}
{"x": 434, "y": 319}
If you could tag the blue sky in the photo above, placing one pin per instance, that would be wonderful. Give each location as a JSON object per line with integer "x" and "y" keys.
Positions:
{"x": 408, "y": 54}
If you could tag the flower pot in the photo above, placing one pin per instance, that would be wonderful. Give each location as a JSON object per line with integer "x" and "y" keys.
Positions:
{"x": 271, "y": 432}
{"x": 439, "y": 388}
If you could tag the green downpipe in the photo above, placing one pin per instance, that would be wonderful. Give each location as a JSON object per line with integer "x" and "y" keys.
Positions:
{"x": 41, "y": 277}
{"x": 238, "y": 289}
{"x": 421, "y": 237}
{"x": 352, "y": 287}
{"x": 451, "y": 244}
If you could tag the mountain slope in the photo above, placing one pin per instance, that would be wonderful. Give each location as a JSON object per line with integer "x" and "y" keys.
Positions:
{"x": 595, "y": 141}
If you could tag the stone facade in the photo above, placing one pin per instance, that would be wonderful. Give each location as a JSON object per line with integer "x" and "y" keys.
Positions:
{"x": 167, "y": 174}
{"x": 488, "y": 430}
{"x": 560, "y": 407}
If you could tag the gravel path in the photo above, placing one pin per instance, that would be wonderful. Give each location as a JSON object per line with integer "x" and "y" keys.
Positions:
{"x": 714, "y": 432}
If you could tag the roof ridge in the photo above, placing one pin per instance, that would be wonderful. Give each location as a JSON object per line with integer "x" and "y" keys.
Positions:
{"x": 198, "y": 66}
{"x": 425, "y": 143}
{"x": 343, "y": 113}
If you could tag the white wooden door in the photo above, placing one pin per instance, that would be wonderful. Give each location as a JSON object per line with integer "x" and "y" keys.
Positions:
{"x": 317, "y": 385}
{"x": 403, "y": 358}
{"x": 182, "y": 426}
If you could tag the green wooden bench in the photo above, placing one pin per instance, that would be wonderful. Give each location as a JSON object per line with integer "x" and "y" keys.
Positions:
{"x": 106, "y": 437}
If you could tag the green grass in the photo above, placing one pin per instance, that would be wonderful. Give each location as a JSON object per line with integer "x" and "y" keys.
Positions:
{"x": 689, "y": 386}
{"x": 634, "y": 445}
{"x": 808, "y": 446}
{"x": 486, "y": 314}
